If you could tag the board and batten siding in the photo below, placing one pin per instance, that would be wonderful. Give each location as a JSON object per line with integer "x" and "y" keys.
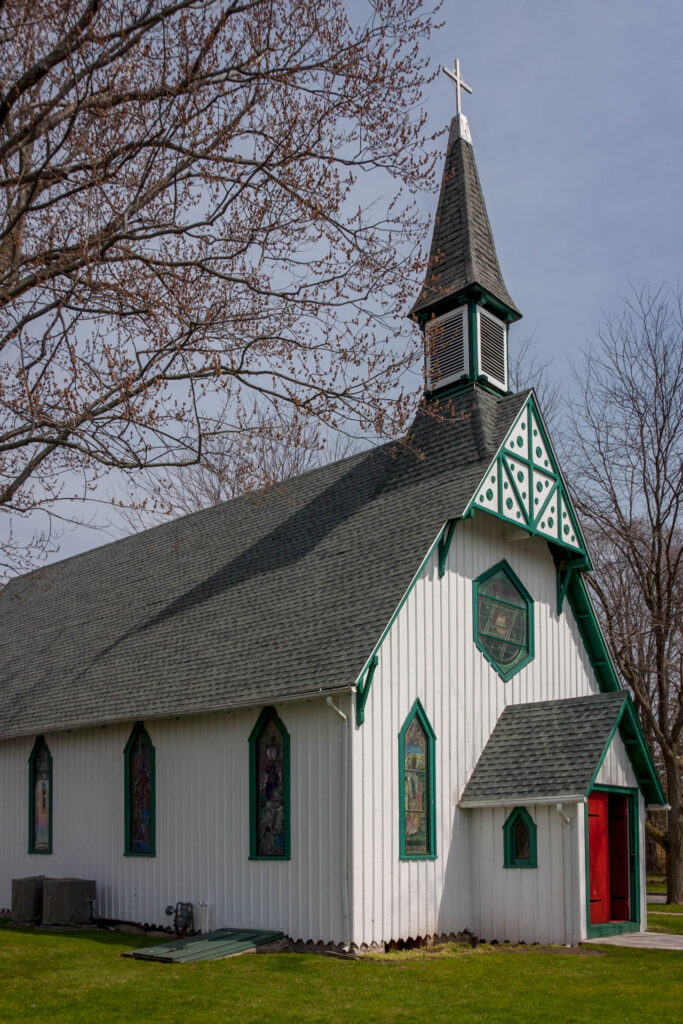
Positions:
{"x": 429, "y": 653}
{"x": 202, "y": 822}
{"x": 540, "y": 904}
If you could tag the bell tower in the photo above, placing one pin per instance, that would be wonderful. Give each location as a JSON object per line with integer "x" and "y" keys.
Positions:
{"x": 463, "y": 309}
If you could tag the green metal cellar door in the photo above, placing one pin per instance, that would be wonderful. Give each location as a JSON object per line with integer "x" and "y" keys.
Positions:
{"x": 212, "y": 946}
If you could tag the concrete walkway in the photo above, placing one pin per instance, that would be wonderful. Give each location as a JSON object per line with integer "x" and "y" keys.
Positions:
{"x": 640, "y": 940}
{"x": 656, "y": 897}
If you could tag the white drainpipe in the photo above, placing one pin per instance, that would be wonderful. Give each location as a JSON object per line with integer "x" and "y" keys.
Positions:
{"x": 567, "y": 870}
{"x": 346, "y": 917}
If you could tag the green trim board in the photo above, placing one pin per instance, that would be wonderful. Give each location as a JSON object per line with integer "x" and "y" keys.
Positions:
{"x": 138, "y": 730}
{"x": 506, "y": 568}
{"x": 595, "y": 931}
{"x": 266, "y": 713}
{"x": 363, "y": 691}
{"x": 417, "y": 711}
{"x": 589, "y": 628}
{"x": 524, "y": 484}
{"x": 565, "y": 570}
{"x": 38, "y": 747}
{"x": 445, "y": 540}
{"x": 519, "y": 816}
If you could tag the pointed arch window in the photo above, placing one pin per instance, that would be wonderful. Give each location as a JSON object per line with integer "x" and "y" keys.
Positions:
{"x": 139, "y": 794}
{"x": 417, "y": 804}
{"x": 40, "y": 798}
{"x": 269, "y": 825}
{"x": 519, "y": 840}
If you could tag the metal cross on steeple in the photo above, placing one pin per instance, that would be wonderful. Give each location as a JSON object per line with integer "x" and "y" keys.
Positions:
{"x": 459, "y": 83}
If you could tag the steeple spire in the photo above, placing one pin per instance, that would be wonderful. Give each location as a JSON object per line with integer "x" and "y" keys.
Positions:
{"x": 463, "y": 271}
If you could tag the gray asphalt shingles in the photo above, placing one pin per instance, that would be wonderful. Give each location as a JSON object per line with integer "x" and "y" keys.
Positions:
{"x": 545, "y": 749}
{"x": 263, "y": 598}
{"x": 463, "y": 252}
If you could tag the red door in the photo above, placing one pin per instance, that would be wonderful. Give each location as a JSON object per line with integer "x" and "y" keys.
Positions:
{"x": 618, "y": 857}
{"x": 598, "y": 857}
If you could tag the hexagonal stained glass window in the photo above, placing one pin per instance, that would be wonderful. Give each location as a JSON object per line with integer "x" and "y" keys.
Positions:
{"x": 503, "y": 620}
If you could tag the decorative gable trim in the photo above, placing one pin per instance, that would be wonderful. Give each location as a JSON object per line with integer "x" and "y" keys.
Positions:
{"x": 525, "y": 486}
{"x": 638, "y": 753}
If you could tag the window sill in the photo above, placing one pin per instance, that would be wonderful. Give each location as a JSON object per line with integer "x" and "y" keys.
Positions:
{"x": 418, "y": 856}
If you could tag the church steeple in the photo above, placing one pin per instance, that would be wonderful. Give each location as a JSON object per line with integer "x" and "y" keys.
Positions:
{"x": 464, "y": 308}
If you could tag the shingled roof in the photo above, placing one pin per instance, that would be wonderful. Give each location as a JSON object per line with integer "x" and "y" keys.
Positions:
{"x": 552, "y": 749}
{"x": 463, "y": 253}
{"x": 264, "y": 598}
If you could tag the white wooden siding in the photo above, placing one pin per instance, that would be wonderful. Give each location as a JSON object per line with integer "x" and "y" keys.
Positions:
{"x": 616, "y": 769}
{"x": 429, "y": 653}
{"x": 526, "y": 904}
{"x": 202, "y": 822}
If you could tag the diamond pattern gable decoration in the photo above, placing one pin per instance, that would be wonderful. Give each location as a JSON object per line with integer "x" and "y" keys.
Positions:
{"x": 524, "y": 485}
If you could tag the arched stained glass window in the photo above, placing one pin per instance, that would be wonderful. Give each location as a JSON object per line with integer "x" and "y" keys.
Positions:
{"x": 40, "y": 798}
{"x": 503, "y": 620}
{"x": 269, "y": 788}
{"x": 139, "y": 793}
{"x": 416, "y": 786}
{"x": 519, "y": 840}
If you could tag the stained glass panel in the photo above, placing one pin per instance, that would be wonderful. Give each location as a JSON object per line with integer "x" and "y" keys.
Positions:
{"x": 522, "y": 842}
{"x": 270, "y": 776}
{"x": 415, "y": 782}
{"x": 41, "y": 800}
{"x": 140, "y": 795}
{"x": 503, "y": 620}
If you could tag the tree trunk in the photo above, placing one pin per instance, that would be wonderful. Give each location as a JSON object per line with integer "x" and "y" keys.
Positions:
{"x": 674, "y": 834}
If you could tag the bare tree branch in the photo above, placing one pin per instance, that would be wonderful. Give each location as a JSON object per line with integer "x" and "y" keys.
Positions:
{"x": 626, "y": 452}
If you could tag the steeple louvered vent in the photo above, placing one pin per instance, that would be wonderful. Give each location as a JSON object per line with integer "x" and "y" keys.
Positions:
{"x": 493, "y": 349}
{"x": 446, "y": 349}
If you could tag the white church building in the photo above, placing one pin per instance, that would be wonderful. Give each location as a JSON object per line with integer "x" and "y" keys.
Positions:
{"x": 371, "y": 704}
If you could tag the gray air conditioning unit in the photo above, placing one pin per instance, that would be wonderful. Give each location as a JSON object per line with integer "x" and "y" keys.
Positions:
{"x": 446, "y": 350}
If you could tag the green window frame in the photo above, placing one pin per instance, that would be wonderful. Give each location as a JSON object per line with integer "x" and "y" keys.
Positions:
{"x": 138, "y": 732}
{"x": 267, "y": 715}
{"x": 513, "y": 857}
{"x": 417, "y": 713}
{"x": 486, "y": 640}
{"x": 40, "y": 747}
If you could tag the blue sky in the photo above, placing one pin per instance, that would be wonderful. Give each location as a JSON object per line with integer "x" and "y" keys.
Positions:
{"x": 576, "y": 119}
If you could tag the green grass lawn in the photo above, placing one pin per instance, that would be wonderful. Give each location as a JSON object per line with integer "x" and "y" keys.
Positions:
{"x": 666, "y": 921}
{"x": 79, "y": 977}
{"x": 656, "y": 883}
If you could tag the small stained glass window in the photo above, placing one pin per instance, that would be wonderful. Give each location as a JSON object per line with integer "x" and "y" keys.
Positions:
{"x": 415, "y": 782}
{"x": 140, "y": 782}
{"x": 503, "y": 612}
{"x": 269, "y": 753}
{"x": 417, "y": 765}
{"x": 519, "y": 840}
{"x": 522, "y": 846}
{"x": 41, "y": 797}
